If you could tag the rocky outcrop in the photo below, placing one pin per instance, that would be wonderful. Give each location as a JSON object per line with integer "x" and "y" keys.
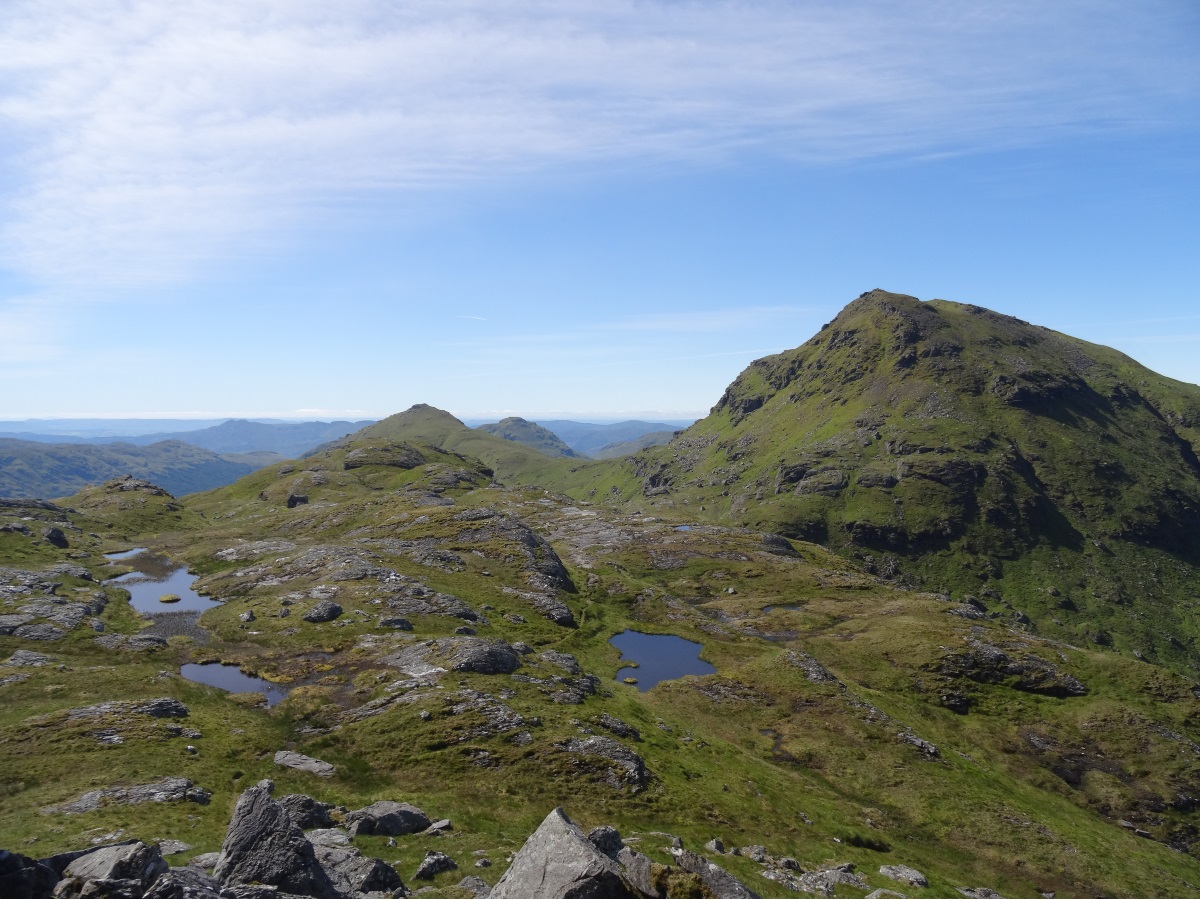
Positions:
{"x": 905, "y": 874}
{"x": 559, "y": 861}
{"x": 613, "y": 762}
{"x": 263, "y": 846}
{"x": 166, "y": 790}
{"x": 717, "y": 882}
{"x": 460, "y": 654}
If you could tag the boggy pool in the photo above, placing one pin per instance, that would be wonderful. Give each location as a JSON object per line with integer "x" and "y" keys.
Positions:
{"x": 659, "y": 657}
{"x": 230, "y": 678}
{"x": 155, "y": 575}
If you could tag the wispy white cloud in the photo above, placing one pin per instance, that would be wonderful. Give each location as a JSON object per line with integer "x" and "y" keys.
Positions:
{"x": 146, "y": 138}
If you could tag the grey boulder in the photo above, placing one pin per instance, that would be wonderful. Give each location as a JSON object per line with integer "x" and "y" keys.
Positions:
{"x": 354, "y": 874}
{"x": 559, "y": 861}
{"x": 184, "y": 882}
{"x": 386, "y": 817}
{"x": 325, "y": 611}
{"x": 21, "y": 876}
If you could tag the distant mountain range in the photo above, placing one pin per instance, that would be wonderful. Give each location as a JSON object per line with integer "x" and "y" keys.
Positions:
{"x": 288, "y": 439}
{"x": 35, "y": 469}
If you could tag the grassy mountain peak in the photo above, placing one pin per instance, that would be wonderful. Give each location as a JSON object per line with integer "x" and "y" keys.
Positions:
{"x": 972, "y": 451}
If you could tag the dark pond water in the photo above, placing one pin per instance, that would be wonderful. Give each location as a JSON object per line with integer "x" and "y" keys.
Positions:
{"x": 660, "y": 657}
{"x": 683, "y": 527}
{"x": 155, "y": 575}
{"x": 767, "y": 609}
{"x": 231, "y": 678}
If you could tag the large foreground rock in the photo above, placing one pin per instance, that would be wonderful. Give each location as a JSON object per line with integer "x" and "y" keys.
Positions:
{"x": 559, "y": 861}
{"x": 263, "y": 846}
{"x": 136, "y": 866}
{"x": 21, "y": 876}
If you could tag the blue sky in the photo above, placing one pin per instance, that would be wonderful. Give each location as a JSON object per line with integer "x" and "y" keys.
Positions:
{"x": 578, "y": 208}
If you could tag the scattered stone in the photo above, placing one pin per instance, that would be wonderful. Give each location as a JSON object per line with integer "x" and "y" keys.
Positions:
{"x": 171, "y": 847}
{"x": 824, "y": 881}
{"x": 325, "y": 611}
{"x": 248, "y": 616}
{"x": 558, "y": 860}
{"x": 304, "y": 763}
{"x": 264, "y": 846}
{"x": 475, "y": 885}
{"x": 715, "y": 846}
{"x": 906, "y": 874}
{"x": 434, "y": 864}
{"x": 483, "y": 863}
{"x": 28, "y": 658}
{"x": 617, "y": 727}
{"x": 717, "y": 882}
{"x": 521, "y": 647}
{"x": 564, "y": 661}
{"x": 979, "y": 893}
{"x": 755, "y": 853}
{"x": 161, "y": 708}
{"x": 395, "y": 622}
{"x": 386, "y": 817}
{"x": 42, "y": 631}
{"x": 464, "y": 629}
{"x": 885, "y": 894}
{"x": 441, "y": 826}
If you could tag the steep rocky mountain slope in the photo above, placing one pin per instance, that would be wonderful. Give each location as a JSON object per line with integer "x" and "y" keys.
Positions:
{"x": 34, "y": 469}
{"x": 530, "y": 434}
{"x": 970, "y": 451}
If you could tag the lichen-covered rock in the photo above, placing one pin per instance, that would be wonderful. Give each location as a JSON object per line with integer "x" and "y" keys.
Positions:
{"x": 559, "y": 861}
{"x": 386, "y": 817}
{"x": 263, "y": 846}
